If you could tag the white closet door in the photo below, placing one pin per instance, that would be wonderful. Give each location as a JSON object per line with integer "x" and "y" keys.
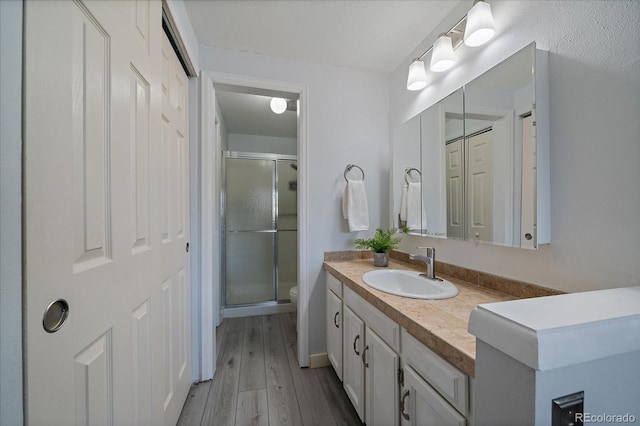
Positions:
{"x": 174, "y": 234}
{"x": 94, "y": 223}
{"x": 480, "y": 184}
{"x": 455, "y": 190}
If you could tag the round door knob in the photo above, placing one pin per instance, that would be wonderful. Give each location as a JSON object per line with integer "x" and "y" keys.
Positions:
{"x": 477, "y": 234}
{"x": 528, "y": 236}
{"x": 55, "y": 315}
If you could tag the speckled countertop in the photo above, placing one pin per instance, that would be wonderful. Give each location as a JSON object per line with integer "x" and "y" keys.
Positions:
{"x": 440, "y": 324}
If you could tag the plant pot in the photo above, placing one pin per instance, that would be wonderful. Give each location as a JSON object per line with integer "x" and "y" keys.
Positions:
{"x": 381, "y": 259}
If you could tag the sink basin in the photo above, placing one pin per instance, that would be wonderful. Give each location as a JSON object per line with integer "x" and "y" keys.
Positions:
{"x": 409, "y": 284}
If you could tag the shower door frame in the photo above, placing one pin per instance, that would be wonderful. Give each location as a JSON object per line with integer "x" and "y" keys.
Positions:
{"x": 274, "y": 217}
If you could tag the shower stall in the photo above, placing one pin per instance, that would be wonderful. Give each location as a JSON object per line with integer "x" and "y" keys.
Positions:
{"x": 260, "y": 228}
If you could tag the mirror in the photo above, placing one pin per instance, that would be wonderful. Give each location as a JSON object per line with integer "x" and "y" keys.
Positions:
{"x": 441, "y": 122}
{"x": 499, "y": 145}
{"x": 406, "y": 170}
{"x": 479, "y": 162}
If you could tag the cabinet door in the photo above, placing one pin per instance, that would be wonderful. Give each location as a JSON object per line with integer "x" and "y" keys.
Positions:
{"x": 334, "y": 331}
{"x": 353, "y": 369}
{"x": 423, "y": 406}
{"x": 381, "y": 369}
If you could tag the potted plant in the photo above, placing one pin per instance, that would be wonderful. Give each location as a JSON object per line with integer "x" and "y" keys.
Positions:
{"x": 380, "y": 244}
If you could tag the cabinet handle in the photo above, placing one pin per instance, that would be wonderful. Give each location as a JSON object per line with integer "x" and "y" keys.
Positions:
{"x": 364, "y": 355}
{"x": 335, "y": 320}
{"x": 355, "y": 342}
{"x": 405, "y": 394}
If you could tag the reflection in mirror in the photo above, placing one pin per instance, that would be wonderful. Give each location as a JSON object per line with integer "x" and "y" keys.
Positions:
{"x": 407, "y": 213}
{"x": 499, "y": 152}
{"x": 441, "y": 181}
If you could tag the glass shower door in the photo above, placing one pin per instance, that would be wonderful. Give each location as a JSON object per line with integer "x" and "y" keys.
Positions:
{"x": 250, "y": 231}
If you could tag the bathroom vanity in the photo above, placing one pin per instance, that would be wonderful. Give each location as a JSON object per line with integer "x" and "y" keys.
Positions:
{"x": 401, "y": 360}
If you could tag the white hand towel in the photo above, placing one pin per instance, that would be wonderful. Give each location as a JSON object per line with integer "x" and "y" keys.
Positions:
{"x": 355, "y": 207}
{"x": 416, "y": 218}
{"x": 403, "y": 204}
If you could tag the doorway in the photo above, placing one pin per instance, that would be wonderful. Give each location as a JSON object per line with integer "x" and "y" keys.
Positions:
{"x": 259, "y": 222}
{"x": 214, "y": 142}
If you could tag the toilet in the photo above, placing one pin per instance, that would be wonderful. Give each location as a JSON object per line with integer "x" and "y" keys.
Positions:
{"x": 293, "y": 295}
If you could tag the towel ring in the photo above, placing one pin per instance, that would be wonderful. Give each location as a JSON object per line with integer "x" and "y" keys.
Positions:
{"x": 348, "y": 169}
{"x": 408, "y": 171}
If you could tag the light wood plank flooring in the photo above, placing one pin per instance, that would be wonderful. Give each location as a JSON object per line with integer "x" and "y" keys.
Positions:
{"x": 258, "y": 381}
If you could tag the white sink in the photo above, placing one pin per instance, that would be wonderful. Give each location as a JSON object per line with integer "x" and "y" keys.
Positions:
{"x": 409, "y": 284}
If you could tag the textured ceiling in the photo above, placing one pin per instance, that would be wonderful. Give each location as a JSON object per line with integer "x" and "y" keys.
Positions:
{"x": 250, "y": 114}
{"x": 369, "y": 35}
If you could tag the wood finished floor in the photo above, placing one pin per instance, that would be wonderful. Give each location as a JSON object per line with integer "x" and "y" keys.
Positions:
{"x": 258, "y": 381}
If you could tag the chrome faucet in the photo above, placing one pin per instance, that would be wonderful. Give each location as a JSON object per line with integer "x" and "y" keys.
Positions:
{"x": 429, "y": 259}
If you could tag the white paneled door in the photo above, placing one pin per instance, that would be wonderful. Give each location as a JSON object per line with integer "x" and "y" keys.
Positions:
{"x": 106, "y": 215}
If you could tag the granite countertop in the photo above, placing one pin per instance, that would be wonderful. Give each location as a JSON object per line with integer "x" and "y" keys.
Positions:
{"x": 439, "y": 324}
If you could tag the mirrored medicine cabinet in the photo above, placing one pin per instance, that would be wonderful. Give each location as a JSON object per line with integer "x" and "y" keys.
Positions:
{"x": 475, "y": 165}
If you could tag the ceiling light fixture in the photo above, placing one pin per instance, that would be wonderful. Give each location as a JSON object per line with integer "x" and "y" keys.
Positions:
{"x": 474, "y": 29}
{"x": 278, "y": 105}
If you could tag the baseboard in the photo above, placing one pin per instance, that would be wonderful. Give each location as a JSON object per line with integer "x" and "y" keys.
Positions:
{"x": 248, "y": 311}
{"x": 319, "y": 360}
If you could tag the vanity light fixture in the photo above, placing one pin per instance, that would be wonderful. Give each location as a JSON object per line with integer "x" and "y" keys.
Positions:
{"x": 480, "y": 26}
{"x": 474, "y": 29}
{"x": 278, "y": 105}
{"x": 442, "y": 55}
{"x": 417, "y": 75}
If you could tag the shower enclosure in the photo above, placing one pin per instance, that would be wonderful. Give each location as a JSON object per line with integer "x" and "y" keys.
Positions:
{"x": 260, "y": 228}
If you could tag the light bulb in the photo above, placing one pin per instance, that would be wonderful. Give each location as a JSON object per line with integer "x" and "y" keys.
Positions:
{"x": 442, "y": 56}
{"x": 417, "y": 78}
{"x": 480, "y": 26}
{"x": 278, "y": 105}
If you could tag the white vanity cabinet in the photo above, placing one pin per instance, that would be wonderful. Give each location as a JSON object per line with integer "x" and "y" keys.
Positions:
{"x": 370, "y": 372}
{"x": 353, "y": 368}
{"x": 384, "y": 378}
{"x": 381, "y": 379}
{"x": 434, "y": 392}
{"x": 334, "y": 323}
{"x": 370, "y": 352}
{"x": 422, "y": 405}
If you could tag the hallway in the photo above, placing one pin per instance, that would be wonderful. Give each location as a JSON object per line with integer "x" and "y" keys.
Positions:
{"x": 258, "y": 381}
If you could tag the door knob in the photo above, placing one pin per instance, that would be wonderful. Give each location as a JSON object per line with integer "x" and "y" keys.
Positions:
{"x": 55, "y": 315}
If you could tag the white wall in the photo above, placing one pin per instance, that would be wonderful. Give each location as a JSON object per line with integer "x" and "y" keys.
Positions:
{"x": 506, "y": 389}
{"x": 594, "y": 69}
{"x": 10, "y": 213}
{"x": 268, "y": 144}
{"x": 347, "y": 123}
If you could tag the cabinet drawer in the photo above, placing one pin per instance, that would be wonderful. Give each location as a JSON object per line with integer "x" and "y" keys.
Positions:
{"x": 385, "y": 327}
{"x": 334, "y": 285}
{"x": 445, "y": 378}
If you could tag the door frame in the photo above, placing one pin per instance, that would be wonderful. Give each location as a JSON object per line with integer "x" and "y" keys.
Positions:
{"x": 210, "y": 187}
